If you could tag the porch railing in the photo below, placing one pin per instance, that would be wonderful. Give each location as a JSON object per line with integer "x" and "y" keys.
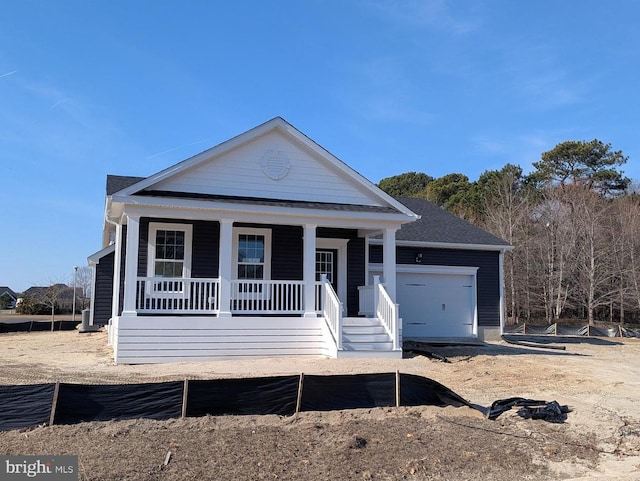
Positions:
{"x": 386, "y": 311}
{"x": 332, "y": 311}
{"x": 177, "y": 295}
{"x": 267, "y": 297}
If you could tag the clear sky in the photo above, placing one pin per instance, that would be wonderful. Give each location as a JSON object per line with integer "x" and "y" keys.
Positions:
{"x": 96, "y": 87}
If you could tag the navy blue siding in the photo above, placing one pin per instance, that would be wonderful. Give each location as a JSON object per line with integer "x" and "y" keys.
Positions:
{"x": 103, "y": 293}
{"x": 488, "y": 278}
{"x": 286, "y": 253}
{"x": 287, "y": 248}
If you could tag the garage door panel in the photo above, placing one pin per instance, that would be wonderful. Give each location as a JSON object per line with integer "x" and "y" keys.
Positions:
{"x": 436, "y": 305}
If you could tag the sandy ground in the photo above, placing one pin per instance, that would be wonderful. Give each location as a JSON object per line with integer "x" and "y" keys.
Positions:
{"x": 598, "y": 378}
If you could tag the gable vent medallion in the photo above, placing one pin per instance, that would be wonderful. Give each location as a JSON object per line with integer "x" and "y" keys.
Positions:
{"x": 275, "y": 165}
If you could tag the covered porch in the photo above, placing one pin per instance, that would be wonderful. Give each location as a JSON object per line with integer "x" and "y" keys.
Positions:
{"x": 187, "y": 317}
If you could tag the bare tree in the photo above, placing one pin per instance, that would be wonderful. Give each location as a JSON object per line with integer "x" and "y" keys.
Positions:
{"x": 50, "y": 297}
{"x": 594, "y": 271}
{"x": 84, "y": 280}
{"x": 554, "y": 251}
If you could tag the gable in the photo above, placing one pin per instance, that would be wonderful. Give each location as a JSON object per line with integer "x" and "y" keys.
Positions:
{"x": 272, "y": 166}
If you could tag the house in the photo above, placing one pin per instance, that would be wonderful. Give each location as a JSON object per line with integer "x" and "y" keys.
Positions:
{"x": 8, "y": 298}
{"x": 59, "y": 294}
{"x": 269, "y": 245}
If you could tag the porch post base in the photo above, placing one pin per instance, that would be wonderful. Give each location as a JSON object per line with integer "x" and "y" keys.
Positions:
{"x": 129, "y": 314}
{"x": 310, "y": 314}
{"x": 224, "y": 314}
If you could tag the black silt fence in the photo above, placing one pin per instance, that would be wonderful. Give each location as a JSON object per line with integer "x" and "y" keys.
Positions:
{"x": 269, "y": 395}
{"x": 32, "y": 326}
{"x": 25, "y": 406}
{"x": 105, "y": 402}
{"x": 327, "y": 393}
{"x": 61, "y": 403}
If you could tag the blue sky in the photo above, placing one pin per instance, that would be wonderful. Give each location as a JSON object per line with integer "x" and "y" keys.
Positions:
{"x": 90, "y": 88}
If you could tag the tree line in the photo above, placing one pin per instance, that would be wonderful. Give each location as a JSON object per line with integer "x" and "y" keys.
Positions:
{"x": 574, "y": 222}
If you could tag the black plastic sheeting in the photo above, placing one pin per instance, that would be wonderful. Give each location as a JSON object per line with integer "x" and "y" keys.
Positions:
{"x": 78, "y": 402}
{"x": 31, "y": 326}
{"x": 269, "y": 395}
{"x": 422, "y": 391}
{"x": 25, "y": 406}
{"x": 327, "y": 393}
{"x": 530, "y": 409}
{"x": 561, "y": 330}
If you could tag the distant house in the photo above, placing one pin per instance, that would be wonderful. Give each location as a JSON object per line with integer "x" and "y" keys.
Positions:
{"x": 8, "y": 298}
{"x": 61, "y": 293}
{"x": 268, "y": 245}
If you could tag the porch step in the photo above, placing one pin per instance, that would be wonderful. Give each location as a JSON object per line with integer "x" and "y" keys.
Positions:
{"x": 360, "y": 321}
{"x": 366, "y": 337}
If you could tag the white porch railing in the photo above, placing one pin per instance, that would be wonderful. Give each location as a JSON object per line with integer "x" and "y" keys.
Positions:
{"x": 267, "y": 297}
{"x": 332, "y": 311}
{"x": 386, "y": 311}
{"x": 177, "y": 295}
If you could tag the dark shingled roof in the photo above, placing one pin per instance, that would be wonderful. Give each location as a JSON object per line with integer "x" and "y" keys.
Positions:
{"x": 438, "y": 225}
{"x": 115, "y": 183}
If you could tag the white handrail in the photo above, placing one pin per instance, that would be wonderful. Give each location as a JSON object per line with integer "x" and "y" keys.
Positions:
{"x": 386, "y": 311}
{"x": 267, "y": 297}
{"x": 332, "y": 311}
{"x": 177, "y": 295}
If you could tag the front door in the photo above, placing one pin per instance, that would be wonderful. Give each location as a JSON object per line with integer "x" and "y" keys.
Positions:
{"x": 327, "y": 264}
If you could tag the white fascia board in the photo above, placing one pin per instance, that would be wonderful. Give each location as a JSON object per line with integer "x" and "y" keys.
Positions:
{"x": 94, "y": 259}
{"x": 447, "y": 245}
{"x": 219, "y": 149}
{"x": 256, "y": 132}
{"x": 428, "y": 269}
{"x": 348, "y": 171}
{"x": 202, "y": 210}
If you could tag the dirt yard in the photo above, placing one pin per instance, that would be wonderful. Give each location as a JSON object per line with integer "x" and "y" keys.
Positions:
{"x": 598, "y": 378}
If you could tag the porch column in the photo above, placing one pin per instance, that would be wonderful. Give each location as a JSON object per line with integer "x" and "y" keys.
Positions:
{"x": 309, "y": 270}
{"x": 225, "y": 267}
{"x": 131, "y": 266}
{"x": 389, "y": 261}
{"x": 117, "y": 262}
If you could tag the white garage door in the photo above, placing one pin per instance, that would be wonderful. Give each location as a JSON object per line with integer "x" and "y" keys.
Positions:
{"x": 436, "y": 305}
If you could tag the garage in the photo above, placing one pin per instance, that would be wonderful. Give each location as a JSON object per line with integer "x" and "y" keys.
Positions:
{"x": 437, "y": 301}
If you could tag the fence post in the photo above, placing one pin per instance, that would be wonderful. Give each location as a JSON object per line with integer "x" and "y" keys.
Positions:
{"x": 185, "y": 394}
{"x": 54, "y": 404}
{"x": 299, "y": 399}
{"x": 397, "y": 388}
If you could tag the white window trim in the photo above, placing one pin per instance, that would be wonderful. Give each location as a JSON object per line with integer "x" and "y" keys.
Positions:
{"x": 154, "y": 227}
{"x": 237, "y": 231}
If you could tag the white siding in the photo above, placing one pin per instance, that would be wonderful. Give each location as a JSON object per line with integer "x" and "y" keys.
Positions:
{"x": 150, "y": 339}
{"x": 240, "y": 173}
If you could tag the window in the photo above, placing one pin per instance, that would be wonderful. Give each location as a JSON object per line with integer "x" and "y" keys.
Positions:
{"x": 252, "y": 251}
{"x": 325, "y": 265}
{"x": 169, "y": 250}
{"x": 169, "y": 253}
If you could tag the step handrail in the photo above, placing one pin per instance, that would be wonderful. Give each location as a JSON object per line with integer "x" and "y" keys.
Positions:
{"x": 332, "y": 311}
{"x": 386, "y": 311}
